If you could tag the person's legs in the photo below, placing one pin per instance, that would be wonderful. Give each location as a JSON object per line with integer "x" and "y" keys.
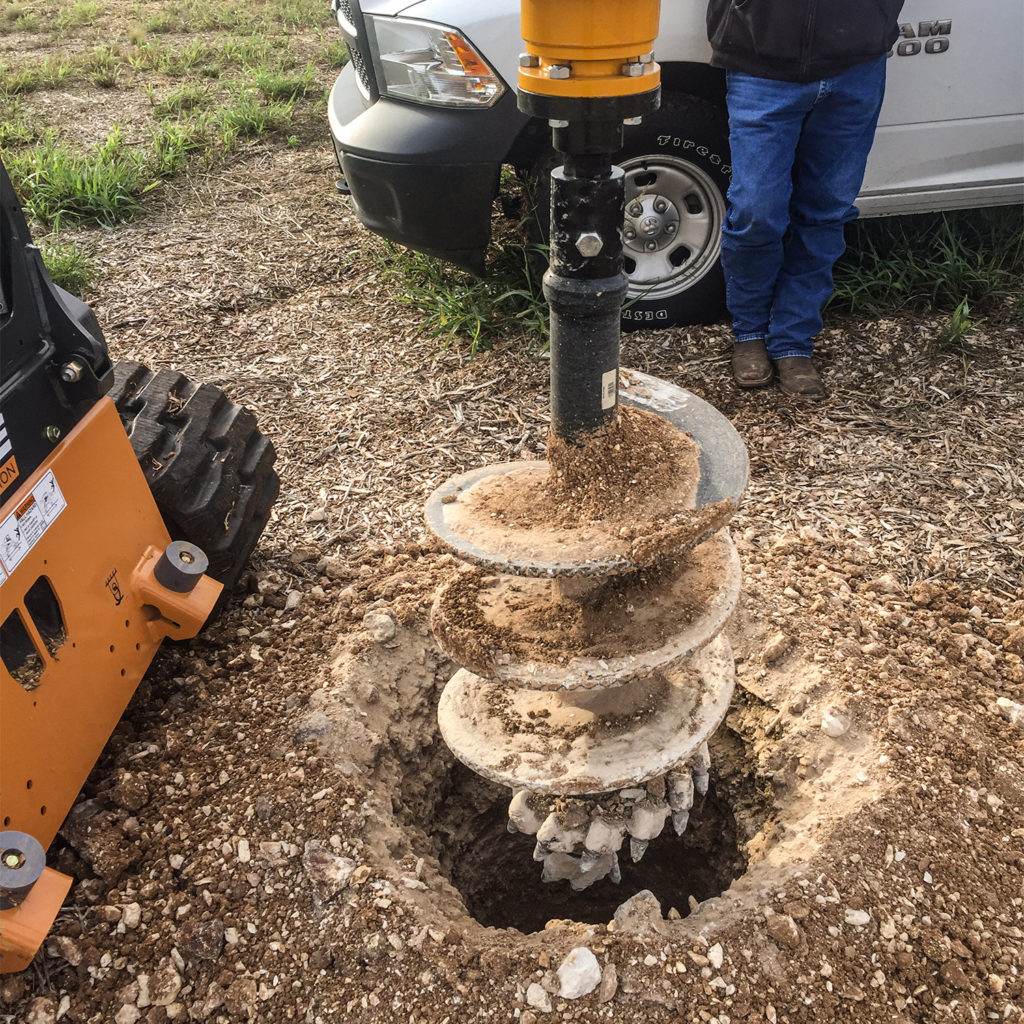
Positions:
{"x": 765, "y": 118}
{"x": 827, "y": 175}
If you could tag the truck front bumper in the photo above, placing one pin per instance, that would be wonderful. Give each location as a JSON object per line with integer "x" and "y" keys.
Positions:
{"x": 423, "y": 176}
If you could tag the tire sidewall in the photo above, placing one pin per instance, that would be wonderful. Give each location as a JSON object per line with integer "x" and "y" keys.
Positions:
{"x": 695, "y": 132}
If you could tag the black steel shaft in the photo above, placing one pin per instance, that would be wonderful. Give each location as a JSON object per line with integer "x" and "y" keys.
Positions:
{"x": 585, "y": 287}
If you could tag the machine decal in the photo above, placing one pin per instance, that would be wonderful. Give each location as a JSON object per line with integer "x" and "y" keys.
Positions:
{"x": 8, "y": 472}
{"x": 114, "y": 587}
{"x": 21, "y": 530}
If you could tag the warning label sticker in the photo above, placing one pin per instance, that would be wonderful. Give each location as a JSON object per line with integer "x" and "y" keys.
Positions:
{"x": 21, "y": 530}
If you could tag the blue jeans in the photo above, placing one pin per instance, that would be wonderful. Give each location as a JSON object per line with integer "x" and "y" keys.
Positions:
{"x": 798, "y": 157}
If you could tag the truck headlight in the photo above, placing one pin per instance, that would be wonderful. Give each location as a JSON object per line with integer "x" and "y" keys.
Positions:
{"x": 430, "y": 63}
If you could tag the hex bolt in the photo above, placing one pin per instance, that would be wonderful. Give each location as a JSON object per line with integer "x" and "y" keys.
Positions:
{"x": 72, "y": 371}
{"x": 629, "y": 234}
{"x": 651, "y": 245}
{"x": 660, "y": 205}
{"x": 670, "y": 229}
{"x": 632, "y": 120}
{"x": 529, "y": 60}
{"x": 589, "y": 243}
{"x": 559, "y": 71}
{"x": 52, "y": 434}
{"x": 635, "y": 210}
{"x": 646, "y": 58}
{"x": 633, "y": 69}
{"x": 557, "y": 123}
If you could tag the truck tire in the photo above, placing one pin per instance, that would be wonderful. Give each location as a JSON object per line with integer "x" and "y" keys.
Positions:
{"x": 208, "y": 466}
{"x": 677, "y": 175}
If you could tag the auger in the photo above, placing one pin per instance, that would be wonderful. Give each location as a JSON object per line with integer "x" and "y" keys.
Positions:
{"x": 589, "y": 619}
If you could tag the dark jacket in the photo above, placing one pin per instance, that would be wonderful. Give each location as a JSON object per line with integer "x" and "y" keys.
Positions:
{"x": 800, "y": 40}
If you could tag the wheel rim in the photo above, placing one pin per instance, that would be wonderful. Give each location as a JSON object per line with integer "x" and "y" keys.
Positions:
{"x": 672, "y": 235}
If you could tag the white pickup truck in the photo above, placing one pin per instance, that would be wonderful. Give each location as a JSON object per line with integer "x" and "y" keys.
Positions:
{"x": 424, "y": 117}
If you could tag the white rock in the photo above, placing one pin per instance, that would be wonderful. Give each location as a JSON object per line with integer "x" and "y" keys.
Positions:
{"x": 603, "y": 837}
{"x": 538, "y": 998}
{"x": 1011, "y": 711}
{"x": 857, "y": 918}
{"x": 834, "y": 724}
{"x": 380, "y": 626}
{"x": 639, "y": 915}
{"x": 716, "y": 956}
{"x": 131, "y": 916}
{"x": 328, "y": 873}
{"x": 578, "y": 974}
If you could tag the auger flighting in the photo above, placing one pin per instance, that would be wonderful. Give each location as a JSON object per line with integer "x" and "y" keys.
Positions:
{"x": 598, "y": 581}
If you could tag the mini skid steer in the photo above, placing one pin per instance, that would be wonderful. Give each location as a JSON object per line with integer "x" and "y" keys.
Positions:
{"x": 131, "y": 502}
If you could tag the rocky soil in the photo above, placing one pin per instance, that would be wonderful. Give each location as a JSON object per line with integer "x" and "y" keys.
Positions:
{"x": 275, "y": 831}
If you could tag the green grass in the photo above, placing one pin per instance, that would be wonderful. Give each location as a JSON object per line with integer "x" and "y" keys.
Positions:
{"x": 77, "y": 15}
{"x": 277, "y": 85}
{"x": 244, "y": 115}
{"x": 971, "y": 259}
{"x": 47, "y": 73}
{"x": 71, "y": 265}
{"x": 16, "y": 125}
{"x": 458, "y": 307}
{"x": 104, "y": 186}
{"x": 182, "y": 100}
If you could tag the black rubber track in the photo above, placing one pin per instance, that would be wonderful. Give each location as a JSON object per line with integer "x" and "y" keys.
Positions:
{"x": 208, "y": 466}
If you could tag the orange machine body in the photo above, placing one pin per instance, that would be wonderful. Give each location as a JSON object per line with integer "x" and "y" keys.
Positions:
{"x": 603, "y": 48}
{"x": 78, "y": 543}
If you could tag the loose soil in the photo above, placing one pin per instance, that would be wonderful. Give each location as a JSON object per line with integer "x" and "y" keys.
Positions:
{"x": 275, "y": 831}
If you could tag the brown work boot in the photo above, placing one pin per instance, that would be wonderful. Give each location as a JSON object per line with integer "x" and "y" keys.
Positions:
{"x": 799, "y": 378}
{"x": 751, "y": 367}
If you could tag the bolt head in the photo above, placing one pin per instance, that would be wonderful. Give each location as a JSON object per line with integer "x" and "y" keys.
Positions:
{"x": 632, "y": 120}
{"x": 72, "y": 371}
{"x": 670, "y": 229}
{"x": 559, "y": 71}
{"x": 52, "y": 434}
{"x": 529, "y": 60}
{"x": 629, "y": 234}
{"x": 651, "y": 245}
{"x": 635, "y": 209}
{"x": 589, "y": 243}
{"x": 633, "y": 69}
{"x": 660, "y": 205}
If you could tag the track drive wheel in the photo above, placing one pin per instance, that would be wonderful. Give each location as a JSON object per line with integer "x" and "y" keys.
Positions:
{"x": 208, "y": 466}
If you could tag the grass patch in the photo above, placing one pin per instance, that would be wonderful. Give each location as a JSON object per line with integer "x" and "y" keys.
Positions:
{"x": 280, "y": 86}
{"x": 47, "y": 73}
{"x": 246, "y": 116}
{"x": 939, "y": 261}
{"x": 79, "y": 14}
{"x": 183, "y": 100}
{"x": 460, "y": 307}
{"x": 104, "y": 186}
{"x": 70, "y": 264}
{"x": 16, "y": 127}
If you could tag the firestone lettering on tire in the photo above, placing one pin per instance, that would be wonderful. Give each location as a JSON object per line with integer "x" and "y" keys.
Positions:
{"x": 676, "y": 142}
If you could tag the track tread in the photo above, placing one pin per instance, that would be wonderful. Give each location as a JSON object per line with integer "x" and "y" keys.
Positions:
{"x": 207, "y": 464}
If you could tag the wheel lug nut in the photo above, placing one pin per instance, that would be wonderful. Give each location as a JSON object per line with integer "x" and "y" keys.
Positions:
{"x": 670, "y": 228}
{"x": 629, "y": 234}
{"x": 635, "y": 210}
{"x": 651, "y": 246}
{"x": 660, "y": 206}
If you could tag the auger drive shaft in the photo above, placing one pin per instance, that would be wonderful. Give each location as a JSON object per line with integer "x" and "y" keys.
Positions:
{"x": 589, "y": 616}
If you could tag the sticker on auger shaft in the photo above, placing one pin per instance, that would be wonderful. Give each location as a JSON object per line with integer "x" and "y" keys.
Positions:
{"x": 609, "y": 387}
{"x": 21, "y": 530}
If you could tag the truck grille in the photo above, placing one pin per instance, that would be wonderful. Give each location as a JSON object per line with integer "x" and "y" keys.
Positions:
{"x": 353, "y": 29}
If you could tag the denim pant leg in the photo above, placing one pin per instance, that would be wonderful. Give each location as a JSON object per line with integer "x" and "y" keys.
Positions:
{"x": 827, "y": 175}
{"x": 765, "y": 121}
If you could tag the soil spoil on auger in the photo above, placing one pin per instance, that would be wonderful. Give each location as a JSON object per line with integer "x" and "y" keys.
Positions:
{"x": 590, "y": 631}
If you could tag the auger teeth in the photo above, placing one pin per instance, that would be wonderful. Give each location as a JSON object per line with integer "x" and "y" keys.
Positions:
{"x": 559, "y": 867}
{"x": 637, "y": 849}
{"x": 648, "y": 819}
{"x": 589, "y": 860}
{"x": 522, "y": 814}
{"x": 680, "y": 820}
{"x": 604, "y": 837}
{"x": 541, "y": 852}
{"x": 511, "y": 827}
{"x": 699, "y": 765}
{"x": 680, "y": 791}
{"x": 615, "y": 873}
